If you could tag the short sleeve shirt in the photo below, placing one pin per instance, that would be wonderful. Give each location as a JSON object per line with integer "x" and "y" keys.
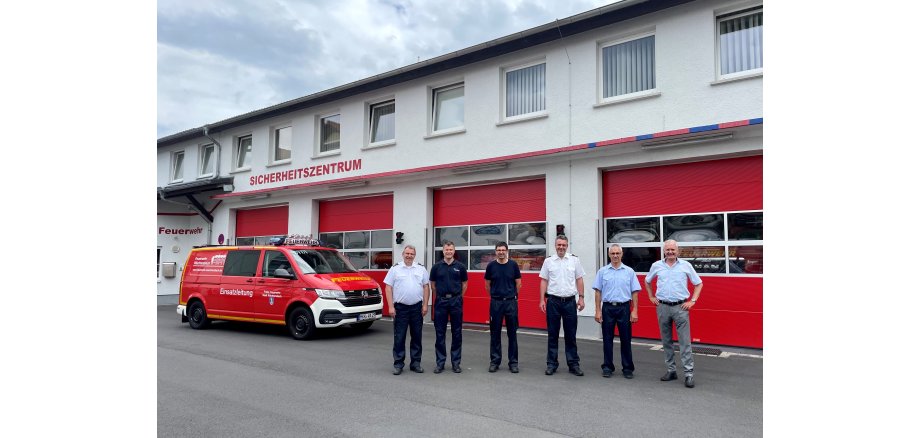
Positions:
{"x": 672, "y": 280}
{"x": 407, "y": 282}
{"x": 561, "y": 274}
{"x": 448, "y": 279}
{"x": 616, "y": 284}
{"x": 502, "y": 278}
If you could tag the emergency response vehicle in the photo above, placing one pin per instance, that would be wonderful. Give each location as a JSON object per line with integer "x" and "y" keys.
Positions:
{"x": 294, "y": 282}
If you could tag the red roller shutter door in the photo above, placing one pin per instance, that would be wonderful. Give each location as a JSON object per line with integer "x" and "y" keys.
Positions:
{"x": 270, "y": 221}
{"x": 730, "y": 310}
{"x": 369, "y": 213}
{"x": 520, "y": 201}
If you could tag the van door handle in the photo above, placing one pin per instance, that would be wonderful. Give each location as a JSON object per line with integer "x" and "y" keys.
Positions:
{"x": 249, "y": 281}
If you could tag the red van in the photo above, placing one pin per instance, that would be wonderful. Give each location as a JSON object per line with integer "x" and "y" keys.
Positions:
{"x": 304, "y": 287}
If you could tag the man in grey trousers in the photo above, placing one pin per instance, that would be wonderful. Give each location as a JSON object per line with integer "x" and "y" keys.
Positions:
{"x": 673, "y": 301}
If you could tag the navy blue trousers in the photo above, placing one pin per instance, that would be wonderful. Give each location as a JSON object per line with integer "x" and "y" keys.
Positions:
{"x": 618, "y": 317}
{"x": 448, "y": 309}
{"x": 408, "y": 317}
{"x": 567, "y": 312}
{"x": 506, "y": 310}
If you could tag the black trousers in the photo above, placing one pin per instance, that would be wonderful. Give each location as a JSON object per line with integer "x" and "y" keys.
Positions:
{"x": 408, "y": 316}
{"x": 617, "y": 317}
{"x": 506, "y": 310}
{"x": 448, "y": 309}
{"x": 567, "y": 312}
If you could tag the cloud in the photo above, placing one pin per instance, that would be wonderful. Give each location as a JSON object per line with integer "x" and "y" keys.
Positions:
{"x": 219, "y": 59}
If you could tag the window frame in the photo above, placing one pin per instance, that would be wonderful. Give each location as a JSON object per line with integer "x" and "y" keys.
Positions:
{"x": 318, "y": 150}
{"x": 503, "y": 98}
{"x": 176, "y": 175}
{"x": 435, "y": 109}
{"x": 257, "y": 240}
{"x": 202, "y": 151}
{"x": 726, "y": 244}
{"x": 721, "y": 16}
{"x": 436, "y": 246}
{"x": 237, "y": 151}
{"x": 273, "y": 149}
{"x": 603, "y": 44}
{"x": 370, "y": 249}
{"x": 369, "y": 131}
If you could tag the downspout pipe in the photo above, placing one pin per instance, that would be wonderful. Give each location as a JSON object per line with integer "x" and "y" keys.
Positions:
{"x": 217, "y": 147}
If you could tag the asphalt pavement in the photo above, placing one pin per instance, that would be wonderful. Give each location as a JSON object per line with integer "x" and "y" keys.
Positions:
{"x": 239, "y": 379}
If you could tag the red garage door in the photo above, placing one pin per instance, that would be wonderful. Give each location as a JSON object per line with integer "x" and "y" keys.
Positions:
{"x": 362, "y": 229}
{"x": 475, "y": 219}
{"x": 256, "y": 226}
{"x": 714, "y": 209}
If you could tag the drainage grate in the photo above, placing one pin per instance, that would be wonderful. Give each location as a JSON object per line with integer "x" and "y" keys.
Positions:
{"x": 701, "y": 350}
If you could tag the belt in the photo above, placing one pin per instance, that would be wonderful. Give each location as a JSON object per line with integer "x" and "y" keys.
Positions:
{"x": 614, "y": 303}
{"x": 563, "y": 299}
{"x": 451, "y": 295}
{"x": 672, "y": 303}
{"x": 504, "y": 298}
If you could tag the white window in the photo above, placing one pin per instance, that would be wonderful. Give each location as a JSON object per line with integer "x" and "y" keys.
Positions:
{"x": 176, "y": 167}
{"x": 206, "y": 160}
{"x": 243, "y": 152}
{"x": 330, "y": 133}
{"x": 525, "y": 90}
{"x": 447, "y": 108}
{"x": 383, "y": 122}
{"x": 281, "y": 144}
{"x": 628, "y": 67}
{"x": 740, "y": 42}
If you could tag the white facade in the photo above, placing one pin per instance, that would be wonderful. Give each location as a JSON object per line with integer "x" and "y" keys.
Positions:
{"x": 688, "y": 93}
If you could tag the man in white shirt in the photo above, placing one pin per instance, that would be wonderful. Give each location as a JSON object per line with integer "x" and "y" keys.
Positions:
{"x": 407, "y": 294}
{"x": 561, "y": 278}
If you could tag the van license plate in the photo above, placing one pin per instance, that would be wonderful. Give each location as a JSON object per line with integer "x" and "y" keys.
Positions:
{"x": 363, "y": 316}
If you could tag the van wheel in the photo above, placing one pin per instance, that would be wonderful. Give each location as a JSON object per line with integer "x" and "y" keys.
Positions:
{"x": 300, "y": 323}
{"x": 362, "y": 326}
{"x": 197, "y": 316}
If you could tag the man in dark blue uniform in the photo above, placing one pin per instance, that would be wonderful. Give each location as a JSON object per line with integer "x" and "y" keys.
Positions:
{"x": 448, "y": 284}
{"x": 503, "y": 281}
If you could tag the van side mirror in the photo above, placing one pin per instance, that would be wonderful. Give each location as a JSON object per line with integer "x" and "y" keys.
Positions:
{"x": 283, "y": 273}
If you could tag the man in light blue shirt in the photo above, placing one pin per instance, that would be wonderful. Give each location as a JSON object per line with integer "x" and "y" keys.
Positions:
{"x": 674, "y": 303}
{"x": 616, "y": 304}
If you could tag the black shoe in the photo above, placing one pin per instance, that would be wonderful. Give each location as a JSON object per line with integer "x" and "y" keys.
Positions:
{"x": 550, "y": 371}
{"x": 608, "y": 373}
{"x": 670, "y": 375}
{"x": 397, "y": 371}
{"x": 417, "y": 369}
{"x": 628, "y": 374}
{"x": 576, "y": 370}
{"x": 688, "y": 382}
{"x": 514, "y": 369}
{"x": 438, "y": 369}
{"x": 457, "y": 369}
{"x": 493, "y": 368}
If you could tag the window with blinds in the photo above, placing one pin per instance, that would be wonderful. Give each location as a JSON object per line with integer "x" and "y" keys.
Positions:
{"x": 740, "y": 42}
{"x": 628, "y": 67}
{"x": 525, "y": 90}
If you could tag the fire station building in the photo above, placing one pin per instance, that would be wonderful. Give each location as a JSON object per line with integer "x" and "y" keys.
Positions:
{"x": 633, "y": 123}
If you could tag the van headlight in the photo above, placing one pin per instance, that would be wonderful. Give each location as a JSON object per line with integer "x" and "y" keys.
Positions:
{"x": 330, "y": 294}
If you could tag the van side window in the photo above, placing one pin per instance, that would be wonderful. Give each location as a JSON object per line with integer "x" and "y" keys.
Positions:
{"x": 274, "y": 260}
{"x": 243, "y": 263}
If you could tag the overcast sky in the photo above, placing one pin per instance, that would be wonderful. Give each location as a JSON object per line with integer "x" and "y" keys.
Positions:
{"x": 222, "y": 58}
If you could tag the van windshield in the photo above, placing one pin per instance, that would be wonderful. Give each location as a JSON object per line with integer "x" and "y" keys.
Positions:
{"x": 322, "y": 261}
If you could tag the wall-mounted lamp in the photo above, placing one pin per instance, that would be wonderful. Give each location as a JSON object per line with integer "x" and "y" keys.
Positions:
{"x": 399, "y": 237}
{"x": 256, "y": 196}
{"x": 560, "y": 230}
{"x": 682, "y": 141}
{"x": 348, "y": 184}
{"x": 479, "y": 168}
